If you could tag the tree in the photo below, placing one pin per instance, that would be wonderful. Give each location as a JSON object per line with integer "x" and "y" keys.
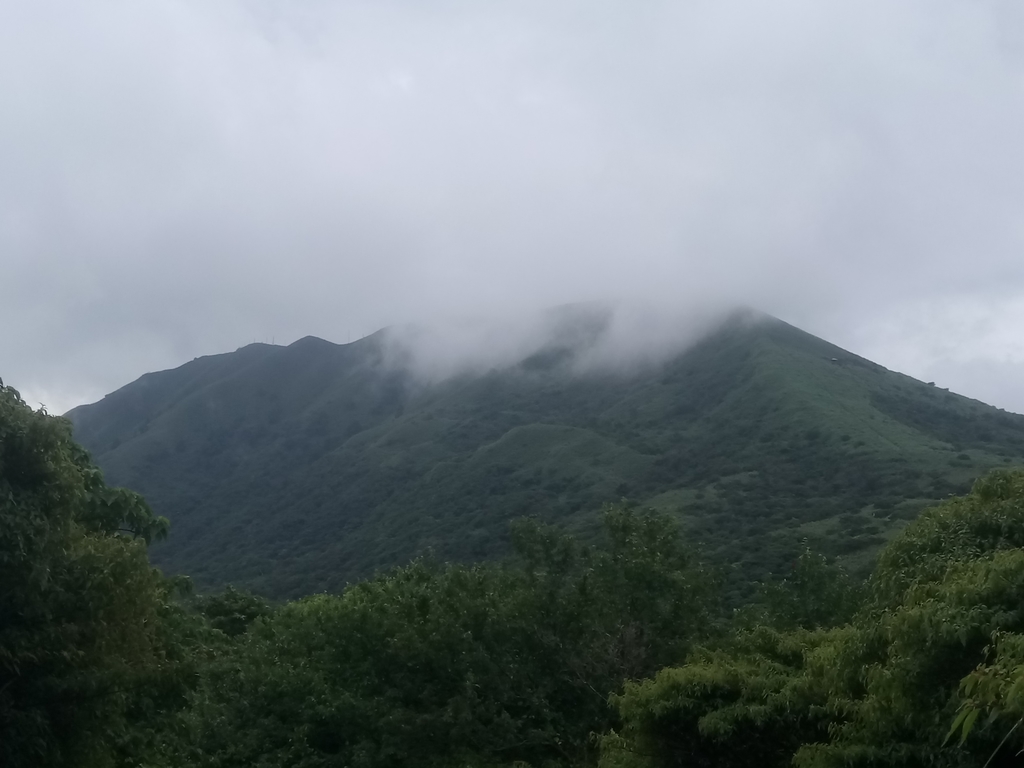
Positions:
{"x": 232, "y": 611}
{"x": 815, "y": 594}
{"x": 79, "y": 604}
{"x": 879, "y": 690}
{"x": 441, "y": 665}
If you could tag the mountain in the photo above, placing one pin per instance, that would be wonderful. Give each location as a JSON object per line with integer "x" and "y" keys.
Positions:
{"x": 296, "y": 469}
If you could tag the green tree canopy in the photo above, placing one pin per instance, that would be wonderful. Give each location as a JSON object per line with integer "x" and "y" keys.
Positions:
{"x": 881, "y": 690}
{"x": 442, "y": 665}
{"x": 79, "y": 603}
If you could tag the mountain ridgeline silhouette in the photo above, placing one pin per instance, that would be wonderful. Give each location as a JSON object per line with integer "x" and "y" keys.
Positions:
{"x": 298, "y": 469}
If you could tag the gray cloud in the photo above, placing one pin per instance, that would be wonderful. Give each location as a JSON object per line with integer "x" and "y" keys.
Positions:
{"x": 602, "y": 337}
{"x": 182, "y": 178}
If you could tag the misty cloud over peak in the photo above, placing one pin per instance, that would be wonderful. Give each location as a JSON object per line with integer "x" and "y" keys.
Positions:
{"x": 591, "y": 337}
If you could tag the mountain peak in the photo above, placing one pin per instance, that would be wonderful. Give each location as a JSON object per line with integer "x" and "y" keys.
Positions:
{"x": 321, "y": 463}
{"x": 311, "y": 342}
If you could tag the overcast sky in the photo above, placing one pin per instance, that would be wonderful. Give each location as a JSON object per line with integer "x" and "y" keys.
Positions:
{"x": 180, "y": 178}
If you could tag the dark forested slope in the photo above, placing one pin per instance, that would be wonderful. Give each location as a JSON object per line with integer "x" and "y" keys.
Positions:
{"x": 295, "y": 469}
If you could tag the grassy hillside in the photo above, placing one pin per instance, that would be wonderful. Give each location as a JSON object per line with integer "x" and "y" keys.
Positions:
{"x": 295, "y": 469}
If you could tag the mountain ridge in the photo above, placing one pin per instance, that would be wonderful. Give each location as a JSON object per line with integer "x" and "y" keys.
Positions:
{"x": 296, "y": 469}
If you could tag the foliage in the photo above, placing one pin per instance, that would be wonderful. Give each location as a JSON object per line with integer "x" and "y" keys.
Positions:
{"x": 881, "y": 690}
{"x": 815, "y": 593}
{"x": 996, "y": 687}
{"x": 233, "y": 611}
{"x": 80, "y": 608}
{"x": 750, "y": 705}
{"x": 433, "y": 665}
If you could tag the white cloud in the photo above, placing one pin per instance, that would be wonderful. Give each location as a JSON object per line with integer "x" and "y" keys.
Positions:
{"x": 179, "y": 178}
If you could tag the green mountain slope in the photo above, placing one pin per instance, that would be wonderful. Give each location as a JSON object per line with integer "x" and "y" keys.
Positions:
{"x": 296, "y": 469}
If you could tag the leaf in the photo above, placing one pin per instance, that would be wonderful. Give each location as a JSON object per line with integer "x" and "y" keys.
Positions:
{"x": 961, "y": 715}
{"x": 968, "y": 724}
{"x": 969, "y": 684}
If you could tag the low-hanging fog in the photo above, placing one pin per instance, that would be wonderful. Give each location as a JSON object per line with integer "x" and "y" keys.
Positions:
{"x": 594, "y": 337}
{"x": 180, "y": 178}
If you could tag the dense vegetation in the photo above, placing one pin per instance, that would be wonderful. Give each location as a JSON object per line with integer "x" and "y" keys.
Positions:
{"x": 80, "y": 607}
{"x": 617, "y": 653}
{"x": 940, "y": 632}
{"x": 291, "y": 470}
